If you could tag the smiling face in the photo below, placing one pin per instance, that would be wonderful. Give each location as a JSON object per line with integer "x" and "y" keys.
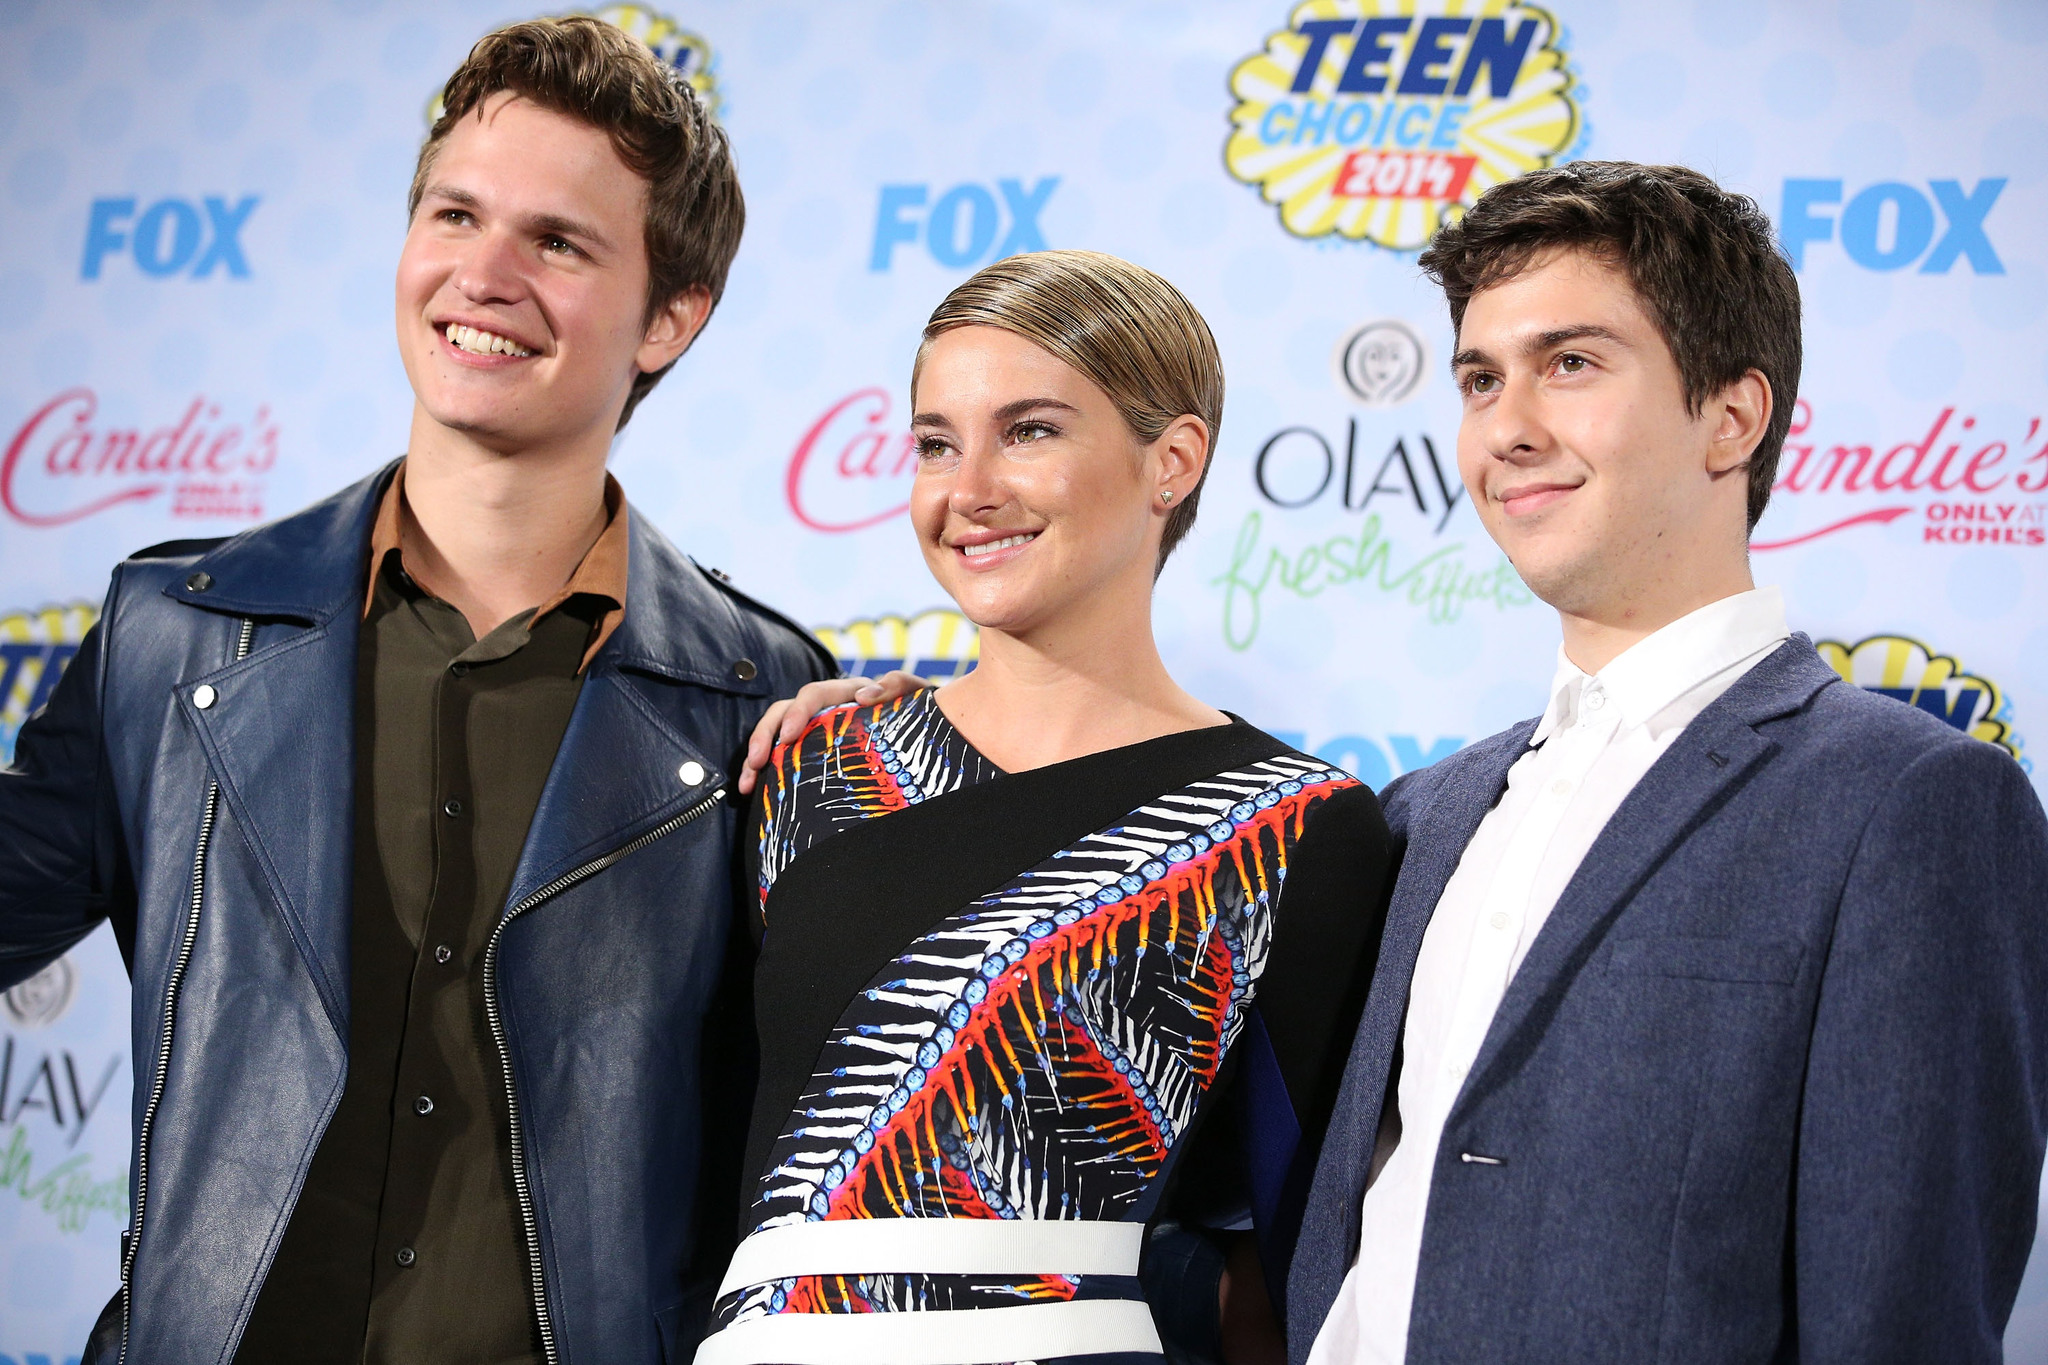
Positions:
{"x": 1032, "y": 495}
{"x": 522, "y": 286}
{"x": 1606, "y": 493}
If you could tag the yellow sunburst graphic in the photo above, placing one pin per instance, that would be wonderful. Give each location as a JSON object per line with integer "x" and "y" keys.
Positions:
{"x": 1381, "y": 120}
{"x": 935, "y": 644}
{"x": 1908, "y": 671}
{"x": 35, "y": 647}
{"x": 673, "y": 44}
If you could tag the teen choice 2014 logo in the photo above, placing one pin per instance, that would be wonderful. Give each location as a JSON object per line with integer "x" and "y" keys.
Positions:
{"x": 673, "y": 44}
{"x": 1381, "y": 120}
{"x": 1908, "y": 671}
{"x": 940, "y": 643}
{"x": 35, "y": 649}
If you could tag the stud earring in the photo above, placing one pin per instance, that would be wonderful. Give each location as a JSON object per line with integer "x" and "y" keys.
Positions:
{"x": 1166, "y": 496}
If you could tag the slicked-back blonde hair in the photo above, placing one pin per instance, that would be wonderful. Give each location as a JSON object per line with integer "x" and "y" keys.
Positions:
{"x": 1129, "y": 332}
{"x": 597, "y": 72}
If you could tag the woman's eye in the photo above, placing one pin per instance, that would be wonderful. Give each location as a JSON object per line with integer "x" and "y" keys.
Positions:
{"x": 930, "y": 448}
{"x": 1024, "y": 433}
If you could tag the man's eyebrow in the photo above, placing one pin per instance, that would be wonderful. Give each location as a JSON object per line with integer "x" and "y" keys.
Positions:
{"x": 552, "y": 224}
{"x": 1544, "y": 341}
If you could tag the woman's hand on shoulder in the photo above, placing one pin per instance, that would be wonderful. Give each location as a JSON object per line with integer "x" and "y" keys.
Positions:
{"x": 786, "y": 719}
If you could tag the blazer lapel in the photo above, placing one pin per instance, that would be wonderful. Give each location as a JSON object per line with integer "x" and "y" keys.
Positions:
{"x": 1435, "y": 833}
{"x": 1705, "y": 766}
{"x": 279, "y": 726}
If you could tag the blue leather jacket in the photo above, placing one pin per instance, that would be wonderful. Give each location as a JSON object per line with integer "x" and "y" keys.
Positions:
{"x": 191, "y": 780}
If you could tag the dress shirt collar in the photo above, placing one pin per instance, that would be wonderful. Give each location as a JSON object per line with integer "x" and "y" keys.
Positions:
{"x": 1666, "y": 664}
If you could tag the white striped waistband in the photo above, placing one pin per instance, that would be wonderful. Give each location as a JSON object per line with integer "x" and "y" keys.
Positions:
{"x": 936, "y": 1246}
{"x": 973, "y": 1336}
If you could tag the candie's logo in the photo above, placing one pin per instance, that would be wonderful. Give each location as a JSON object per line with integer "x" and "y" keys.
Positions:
{"x": 1908, "y": 671}
{"x": 675, "y": 45}
{"x": 35, "y": 649}
{"x": 940, "y": 643}
{"x": 1379, "y": 120}
{"x": 1969, "y": 485}
{"x": 63, "y": 463}
{"x": 852, "y": 468}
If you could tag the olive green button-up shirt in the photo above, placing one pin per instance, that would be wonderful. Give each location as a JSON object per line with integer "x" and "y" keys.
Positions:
{"x": 408, "y": 1244}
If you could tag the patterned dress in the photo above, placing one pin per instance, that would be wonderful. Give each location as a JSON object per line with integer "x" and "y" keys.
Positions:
{"x": 1024, "y": 998}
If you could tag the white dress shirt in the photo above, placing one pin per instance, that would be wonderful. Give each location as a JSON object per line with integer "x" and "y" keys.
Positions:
{"x": 1598, "y": 737}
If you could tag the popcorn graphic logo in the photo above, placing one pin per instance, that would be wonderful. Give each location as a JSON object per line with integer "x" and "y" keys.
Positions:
{"x": 940, "y": 643}
{"x": 35, "y": 649}
{"x": 1908, "y": 671}
{"x": 1381, "y": 120}
{"x": 673, "y": 44}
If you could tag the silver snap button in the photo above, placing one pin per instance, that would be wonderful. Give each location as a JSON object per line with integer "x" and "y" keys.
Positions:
{"x": 204, "y": 696}
{"x": 744, "y": 670}
{"x": 692, "y": 773}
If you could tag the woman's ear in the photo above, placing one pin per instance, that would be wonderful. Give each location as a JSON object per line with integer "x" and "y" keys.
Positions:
{"x": 1183, "y": 452}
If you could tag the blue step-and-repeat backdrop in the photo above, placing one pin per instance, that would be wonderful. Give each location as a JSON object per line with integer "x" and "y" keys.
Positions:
{"x": 203, "y": 203}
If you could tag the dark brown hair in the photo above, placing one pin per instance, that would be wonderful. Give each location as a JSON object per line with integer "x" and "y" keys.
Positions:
{"x": 1704, "y": 262}
{"x": 594, "y": 71}
{"x": 1133, "y": 335}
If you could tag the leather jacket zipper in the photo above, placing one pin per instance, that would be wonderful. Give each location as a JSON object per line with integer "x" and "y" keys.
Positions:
{"x": 132, "y": 1242}
{"x": 522, "y": 1185}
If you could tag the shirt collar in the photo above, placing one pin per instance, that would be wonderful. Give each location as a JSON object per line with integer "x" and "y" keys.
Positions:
{"x": 602, "y": 572}
{"x": 1669, "y": 662}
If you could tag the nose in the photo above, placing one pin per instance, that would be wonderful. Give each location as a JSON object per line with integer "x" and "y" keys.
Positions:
{"x": 977, "y": 487}
{"x": 490, "y": 270}
{"x": 1512, "y": 428}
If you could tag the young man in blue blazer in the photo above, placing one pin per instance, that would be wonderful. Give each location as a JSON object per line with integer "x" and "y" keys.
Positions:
{"x": 1712, "y": 1014}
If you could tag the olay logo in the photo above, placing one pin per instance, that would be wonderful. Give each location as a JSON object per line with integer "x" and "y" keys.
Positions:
{"x": 853, "y": 468}
{"x": 61, "y": 465}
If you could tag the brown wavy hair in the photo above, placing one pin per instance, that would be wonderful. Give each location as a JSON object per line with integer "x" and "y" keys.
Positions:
{"x": 1703, "y": 260}
{"x": 596, "y": 72}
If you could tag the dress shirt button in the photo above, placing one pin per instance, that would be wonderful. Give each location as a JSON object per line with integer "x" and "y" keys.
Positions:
{"x": 1595, "y": 700}
{"x": 452, "y": 806}
{"x": 423, "y": 1106}
{"x": 405, "y": 1256}
{"x": 203, "y": 696}
{"x": 1499, "y": 920}
{"x": 1455, "y": 1070}
{"x": 692, "y": 773}
{"x": 442, "y": 952}
{"x": 1561, "y": 787}
{"x": 744, "y": 670}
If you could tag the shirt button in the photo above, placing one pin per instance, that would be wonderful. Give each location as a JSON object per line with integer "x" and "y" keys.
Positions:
{"x": 453, "y": 805}
{"x": 1561, "y": 787}
{"x": 203, "y": 696}
{"x": 1595, "y": 700}
{"x": 1455, "y": 1070}
{"x": 1499, "y": 920}
{"x": 443, "y": 952}
{"x": 423, "y": 1106}
{"x": 405, "y": 1256}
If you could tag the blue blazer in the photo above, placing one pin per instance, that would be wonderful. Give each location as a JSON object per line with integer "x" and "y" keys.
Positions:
{"x": 1771, "y": 1083}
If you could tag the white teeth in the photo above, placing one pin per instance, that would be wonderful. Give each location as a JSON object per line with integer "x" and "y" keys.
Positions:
{"x": 479, "y": 342}
{"x": 973, "y": 551}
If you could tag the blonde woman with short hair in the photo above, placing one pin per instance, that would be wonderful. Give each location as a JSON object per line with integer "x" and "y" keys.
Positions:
{"x": 1059, "y": 953}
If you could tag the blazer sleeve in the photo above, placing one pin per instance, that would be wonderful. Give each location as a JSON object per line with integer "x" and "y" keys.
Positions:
{"x": 1926, "y": 1097}
{"x": 61, "y": 864}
